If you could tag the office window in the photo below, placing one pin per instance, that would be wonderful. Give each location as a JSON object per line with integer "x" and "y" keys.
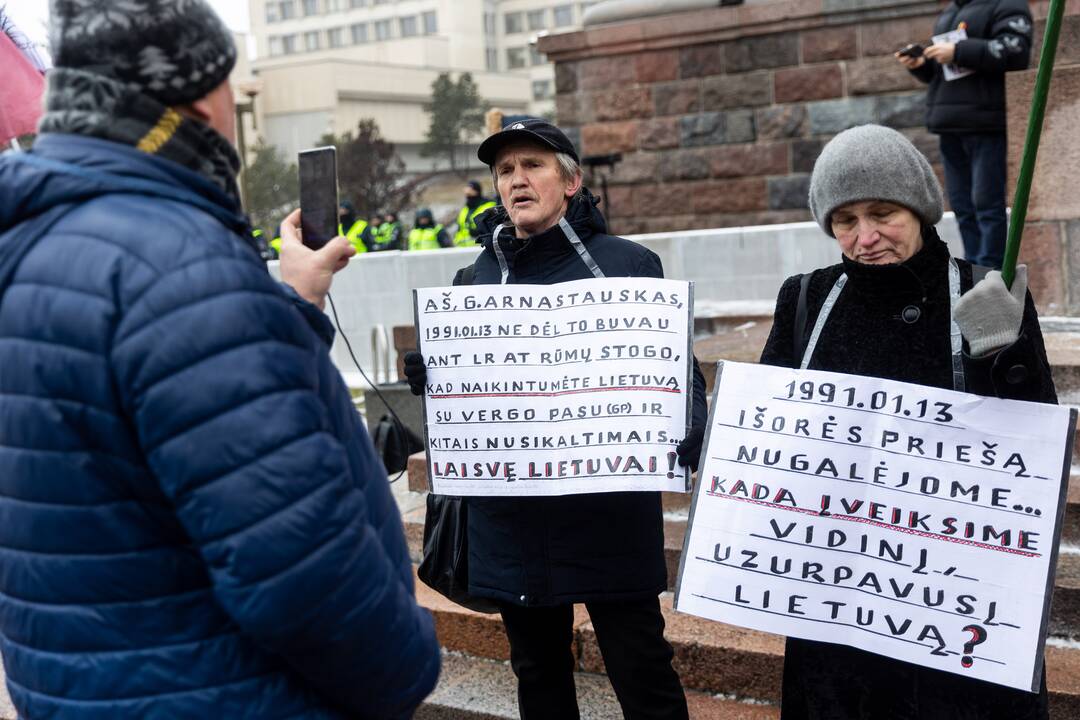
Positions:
{"x": 288, "y": 9}
{"x": 564, "y": 15}
{"x": 353, "y": 4}
{"x": 382, "y": 30}
{"x": 311, "y": 7}
{"x": 537, "y": 19}
{"x": 380, "y": 2}
{"x": 514, "y": 22}
{"x": 541, "y": 89}
{"x": 408, "y": 26}
{"x": 334, "y": 5}
{"x": 489, "y": 23}
{"x": 288, "y": 44}
{"x": 335, "y": 37}
{"x": 272, "y": 11}
{"x": 515, "y": 58}
{"x": 431, "y": 23}
{"x": 275, "y": 45}
{"x": 359, "y": 33}
{"x": 535, "y": 56}
{"x": 311, "y": 41}
{"x": 492, "y": 60}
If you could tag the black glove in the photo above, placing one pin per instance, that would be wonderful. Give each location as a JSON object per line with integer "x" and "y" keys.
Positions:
{"x": 417, "y": 373}
{"x": 689, "y": 450}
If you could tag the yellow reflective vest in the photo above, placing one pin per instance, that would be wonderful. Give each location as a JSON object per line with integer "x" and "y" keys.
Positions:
{"x": 355, "y": 236}
{"x": 425, "y": 238}
{"x": 466, "y": 232}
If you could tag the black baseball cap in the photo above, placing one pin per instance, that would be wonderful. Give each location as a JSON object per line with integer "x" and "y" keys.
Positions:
{"x": 532, "y": 130}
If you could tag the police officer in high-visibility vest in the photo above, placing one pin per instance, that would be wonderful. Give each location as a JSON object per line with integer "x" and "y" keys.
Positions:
{"x": 351, "y": 226}
{"x": 388, "y": 234}
{"x": 475, "y": 205}
{"x": 426, "y": 235}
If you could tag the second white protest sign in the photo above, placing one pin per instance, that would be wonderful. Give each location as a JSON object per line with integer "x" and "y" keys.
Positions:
{"x": 909, "y": 521}
{"x": 577, "y": 387}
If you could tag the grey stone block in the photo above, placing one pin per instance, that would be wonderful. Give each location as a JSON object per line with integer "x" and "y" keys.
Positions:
{"x": 684, "y": 165}
{"x": 703, "y": 129}
{"x": 739, "y": 126}
{"x": 829, "y": 117}
{"x": 717, "y": 128}
{"x": 902, "y": 111}
{"x": 789, "y": 193}
{"x": 765, "y": 51}
{"x": 804, "y": 154}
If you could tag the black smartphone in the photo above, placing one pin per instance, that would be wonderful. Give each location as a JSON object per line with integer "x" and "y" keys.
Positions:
{"x": 914, "y": 50}
{"x": 318, "y": 196}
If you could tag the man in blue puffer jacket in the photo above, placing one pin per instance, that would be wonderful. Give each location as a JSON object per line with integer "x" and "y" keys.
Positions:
{"x": 193, "y": 523}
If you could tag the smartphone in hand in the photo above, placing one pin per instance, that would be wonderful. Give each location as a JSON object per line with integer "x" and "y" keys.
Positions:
{"x": 318, "y": 196}
{"x": 914, "y": 50}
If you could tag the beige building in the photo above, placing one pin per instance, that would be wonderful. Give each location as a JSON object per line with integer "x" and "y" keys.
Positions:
{"x": 325, "y": 64}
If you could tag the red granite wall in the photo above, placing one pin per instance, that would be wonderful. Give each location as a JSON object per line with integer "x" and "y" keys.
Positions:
{"x": 719, "y": 114}
{"x": 1051, "y": 242}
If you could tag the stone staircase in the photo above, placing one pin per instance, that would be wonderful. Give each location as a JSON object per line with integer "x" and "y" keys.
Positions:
{"x": 728, "y": 671}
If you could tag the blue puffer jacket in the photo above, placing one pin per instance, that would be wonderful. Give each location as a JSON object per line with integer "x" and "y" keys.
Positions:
{"x": 193, "y": 523}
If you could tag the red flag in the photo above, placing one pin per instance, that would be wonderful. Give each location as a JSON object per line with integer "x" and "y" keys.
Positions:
{"x": 20, "y": 93}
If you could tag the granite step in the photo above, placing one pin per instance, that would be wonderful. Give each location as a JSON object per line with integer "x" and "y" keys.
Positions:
{"x": 710, "y": 657}
{"x": 473, "y": 688}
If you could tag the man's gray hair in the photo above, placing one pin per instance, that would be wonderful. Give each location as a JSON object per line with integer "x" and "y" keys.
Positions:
{"x": 569, "y": 168}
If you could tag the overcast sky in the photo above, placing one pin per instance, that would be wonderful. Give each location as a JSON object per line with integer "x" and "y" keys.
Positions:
{"x": 32, "y": 16}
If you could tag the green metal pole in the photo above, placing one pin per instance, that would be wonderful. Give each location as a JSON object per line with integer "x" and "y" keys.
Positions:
{"x": 1031, "y": 143}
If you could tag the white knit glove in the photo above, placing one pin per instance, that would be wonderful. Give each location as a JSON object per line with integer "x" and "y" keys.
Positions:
{"x": 989, "y": 314}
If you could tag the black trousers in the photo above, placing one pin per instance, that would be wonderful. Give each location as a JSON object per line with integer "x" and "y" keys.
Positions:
{"x": 631, "y": 639}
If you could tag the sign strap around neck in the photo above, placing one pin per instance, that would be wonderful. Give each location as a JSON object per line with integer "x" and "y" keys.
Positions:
{"x": 957, "y": 340}
{"x": 503, "y": 267}
{"x": 586, "y": 257}
{"x": 572, "y": 236}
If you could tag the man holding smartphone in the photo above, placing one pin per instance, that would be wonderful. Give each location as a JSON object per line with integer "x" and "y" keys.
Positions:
{"x": 195, "y": 523}
{"x": 976, "y": 43}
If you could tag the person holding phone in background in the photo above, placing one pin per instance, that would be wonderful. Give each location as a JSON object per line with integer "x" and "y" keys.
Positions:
{"x": 976, "y": 43}
{"x": 195, "y": 523}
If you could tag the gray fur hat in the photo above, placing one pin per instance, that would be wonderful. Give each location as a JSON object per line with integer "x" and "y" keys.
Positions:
{"x": 175, "y": 51}
{"x": 871, "y": 162}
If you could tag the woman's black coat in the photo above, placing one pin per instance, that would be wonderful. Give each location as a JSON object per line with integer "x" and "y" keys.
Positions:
{"x": 575, "y": 548}
{"x": 865, "y": 335}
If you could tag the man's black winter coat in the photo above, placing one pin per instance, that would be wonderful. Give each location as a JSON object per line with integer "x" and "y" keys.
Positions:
{"x": 576, "y": 548}
{"x": 999, "y": 40}
{"x": 865, "y": 335}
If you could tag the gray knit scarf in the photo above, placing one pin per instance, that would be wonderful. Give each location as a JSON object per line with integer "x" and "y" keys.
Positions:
{"x": 84, "y": 103}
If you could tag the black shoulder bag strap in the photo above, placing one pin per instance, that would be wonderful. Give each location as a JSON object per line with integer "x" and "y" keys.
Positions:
{"x": 798, "y": 340}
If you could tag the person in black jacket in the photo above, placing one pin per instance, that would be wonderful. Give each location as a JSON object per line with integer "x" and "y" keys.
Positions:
{"x": 878, "y": 196}
{"x": 537, "y": 556}
{"x": 968, "y": 113}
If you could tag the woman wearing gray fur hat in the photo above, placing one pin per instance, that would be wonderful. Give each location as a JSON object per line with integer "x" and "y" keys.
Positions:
{"x": 897, "y": 297}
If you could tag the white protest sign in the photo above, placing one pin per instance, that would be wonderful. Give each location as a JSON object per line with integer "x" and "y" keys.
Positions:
{"x": 912, "y": 522}
{"x": 577, "y": 387}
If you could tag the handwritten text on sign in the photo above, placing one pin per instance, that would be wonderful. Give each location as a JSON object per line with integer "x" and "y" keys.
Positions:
{"x": 912, "y": 522}
{"x": 578, "y": 387}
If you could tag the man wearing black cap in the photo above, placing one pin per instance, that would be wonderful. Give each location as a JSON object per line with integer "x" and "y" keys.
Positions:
{"x": 475, "y": 204}
{"x": 195, "y": 523}
{"x": 538, "y": 556}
